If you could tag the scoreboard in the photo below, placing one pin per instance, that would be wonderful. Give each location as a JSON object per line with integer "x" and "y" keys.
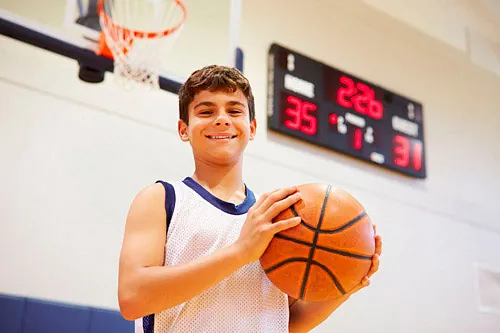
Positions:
{"x": 327, "y": 107}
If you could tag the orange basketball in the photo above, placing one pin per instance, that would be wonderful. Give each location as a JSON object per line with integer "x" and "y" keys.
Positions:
{"x": 328, "y": 253}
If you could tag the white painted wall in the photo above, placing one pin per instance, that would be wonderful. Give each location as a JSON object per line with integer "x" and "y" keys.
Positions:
{"x": 73, "y": 155}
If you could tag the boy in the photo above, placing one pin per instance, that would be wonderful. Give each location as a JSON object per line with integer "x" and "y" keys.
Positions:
{"x": 189, "y": 259}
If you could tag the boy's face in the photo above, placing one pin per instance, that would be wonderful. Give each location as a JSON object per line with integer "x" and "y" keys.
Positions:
{"x": 219, "y": 126}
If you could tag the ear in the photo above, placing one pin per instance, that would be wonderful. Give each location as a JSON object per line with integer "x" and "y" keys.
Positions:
{"x": 253, "y": 129}
{"x": 182, "y": 129}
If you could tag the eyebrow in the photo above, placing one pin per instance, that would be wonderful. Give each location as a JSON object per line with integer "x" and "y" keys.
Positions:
{"x": 213, "y": 104}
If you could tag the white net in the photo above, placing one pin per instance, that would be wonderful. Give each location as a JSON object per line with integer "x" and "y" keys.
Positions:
{"x": 139, "y": 33}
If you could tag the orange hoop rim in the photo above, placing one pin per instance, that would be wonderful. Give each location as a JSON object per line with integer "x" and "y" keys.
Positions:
{"x": 138, "y": 33}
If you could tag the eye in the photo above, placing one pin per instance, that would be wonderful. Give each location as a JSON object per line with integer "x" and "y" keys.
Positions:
{"x": 235, "y": 112}
{"x": 205, "y": 112}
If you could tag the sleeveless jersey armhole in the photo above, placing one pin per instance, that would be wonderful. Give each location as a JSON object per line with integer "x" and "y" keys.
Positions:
{"x": 169, "y": 200}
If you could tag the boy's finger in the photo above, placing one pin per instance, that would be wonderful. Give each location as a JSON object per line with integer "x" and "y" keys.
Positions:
{"x": 281, "y": 205}
{"x": 374, "y": 266}
{"x": 285, "y": 224}
{"x": 263, "y": 197}
{"x": 378, "y": 244}
{"x": 276, "y": 196}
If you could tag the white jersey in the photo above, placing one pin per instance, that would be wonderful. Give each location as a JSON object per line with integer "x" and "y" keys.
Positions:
{"x": 246, "y": 301}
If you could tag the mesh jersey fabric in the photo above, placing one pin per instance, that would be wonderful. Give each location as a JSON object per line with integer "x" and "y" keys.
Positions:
{"x": 246, "y": 301}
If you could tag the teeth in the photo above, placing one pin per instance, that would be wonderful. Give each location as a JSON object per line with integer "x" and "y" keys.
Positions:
{"x": 220, "y": 137}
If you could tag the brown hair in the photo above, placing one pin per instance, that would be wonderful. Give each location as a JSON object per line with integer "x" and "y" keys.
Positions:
{"x": 214, "y": 78}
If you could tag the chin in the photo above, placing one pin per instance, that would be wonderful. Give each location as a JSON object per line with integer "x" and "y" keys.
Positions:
{"x": 225, "y": 157}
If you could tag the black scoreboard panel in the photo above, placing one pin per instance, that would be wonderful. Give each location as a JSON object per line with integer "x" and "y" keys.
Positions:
{"x": 311, "y": 101}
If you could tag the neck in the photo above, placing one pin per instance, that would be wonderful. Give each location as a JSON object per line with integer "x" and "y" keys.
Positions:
{"x": 225, "y": 182}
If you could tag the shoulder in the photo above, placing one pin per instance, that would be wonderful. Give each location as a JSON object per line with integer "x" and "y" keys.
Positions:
{"x": 150, "y": 197}
{"x": 152, "y": 192}
{"x": 156, "y": 191}
{"x": 164, "y": 196}
{"x": 154, "y": 203}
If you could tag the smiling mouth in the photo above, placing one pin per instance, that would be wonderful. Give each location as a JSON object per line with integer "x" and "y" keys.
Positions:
{"x": 221, "y": 137}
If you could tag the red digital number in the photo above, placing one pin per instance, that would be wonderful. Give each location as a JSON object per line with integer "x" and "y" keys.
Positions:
{"x": 358, "y": 139}
{"x": 362, "y": 100}
{"x": 403, "y": 149}
{"x": 300, "y": 114}
{"x": 417, "y": 155}
{"x": 360, "y": 97}
{"x": 294, "y": 112}
{"x": 375, "y": 109}
{"x": 344, "y": 92}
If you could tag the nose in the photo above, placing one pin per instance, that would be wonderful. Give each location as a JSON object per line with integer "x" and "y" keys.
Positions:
{"x": 219, "y": 123}
{"x": 222, "y": 119}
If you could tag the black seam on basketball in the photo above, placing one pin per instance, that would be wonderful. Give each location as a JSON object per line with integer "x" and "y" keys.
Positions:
{"x": 345, "y": 253}
{"x": 307, "y": 225}
{"x": 309, "y": 262}
{"x": 294, "y": 212}
{"x": 284, "y": 262}
{"x": 345, "y": 226}
{"x": 332, "y": 276}
{"x": 337, "y": 230}
{"x": 313, "y": 245}
{"x": 319, "y": 247}
{"x": 298, "y": 241}
{"x": 331, "y": 231}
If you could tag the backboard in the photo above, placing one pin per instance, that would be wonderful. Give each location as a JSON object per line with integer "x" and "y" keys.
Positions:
{"x": 71, "y": 28}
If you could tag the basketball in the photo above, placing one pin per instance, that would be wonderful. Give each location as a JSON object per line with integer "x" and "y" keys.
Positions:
{"x": 328, "y": 253}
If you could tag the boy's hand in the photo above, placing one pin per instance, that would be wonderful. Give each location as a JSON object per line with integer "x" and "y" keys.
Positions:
{"x": 365, "y": 282}
{"x": 304, "y": 316}
{"x": 259, "y": 229}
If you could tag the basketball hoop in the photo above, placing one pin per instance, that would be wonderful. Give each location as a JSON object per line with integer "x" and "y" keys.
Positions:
{"x": 134, "y": 34}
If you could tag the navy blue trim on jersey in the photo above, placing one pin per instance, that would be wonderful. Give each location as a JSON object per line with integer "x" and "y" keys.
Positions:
{"x": 148, "y": 323}
{"x": 225, "y": 206}
{"x": 169, "y": 200}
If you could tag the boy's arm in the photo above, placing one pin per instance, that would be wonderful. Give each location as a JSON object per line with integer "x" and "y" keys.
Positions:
{"x": 146, "y": 286}
{"x": 304, "y": 316}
